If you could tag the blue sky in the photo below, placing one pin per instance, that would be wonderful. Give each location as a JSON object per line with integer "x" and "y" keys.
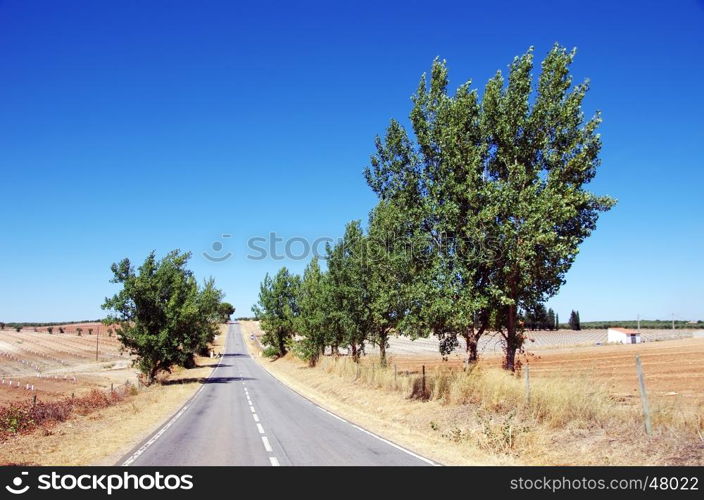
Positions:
{"x": 131, "y": 126}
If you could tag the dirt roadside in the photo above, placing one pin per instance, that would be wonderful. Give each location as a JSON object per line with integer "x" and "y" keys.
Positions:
{"x": 102, "y": 437}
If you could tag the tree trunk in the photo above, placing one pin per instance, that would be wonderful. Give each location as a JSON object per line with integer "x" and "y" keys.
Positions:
{"x": 190, "y": 362}
{"x": 313, "y": 360}
{"x": 382, "y": 348}
{"x": 151, "y": 376}
{"x": 512, "y": 343}
{"x": 355, "y": 354}
{"x": 282, "y": 346}
{"x": 472, "y": 342}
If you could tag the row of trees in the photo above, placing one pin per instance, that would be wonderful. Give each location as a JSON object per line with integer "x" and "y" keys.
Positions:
{"x": 481, "y": 213}
{"x": 361, "y": 298}
{"x": 539, "y": 318}
{"x": 574, "y": 322}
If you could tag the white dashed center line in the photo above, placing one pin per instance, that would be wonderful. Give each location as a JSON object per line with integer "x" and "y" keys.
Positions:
{"x": 265, "y": 440}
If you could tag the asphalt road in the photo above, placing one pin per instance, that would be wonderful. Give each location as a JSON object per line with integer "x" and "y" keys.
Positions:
{"x": 244, "y": 416}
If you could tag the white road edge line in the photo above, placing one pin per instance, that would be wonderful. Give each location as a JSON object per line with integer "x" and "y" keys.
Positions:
{"x": 267, "y": 445}
{"x": 173, "y": 419}
{"x": 394, "y": 445}
{"x": 332, "y": 414}
{"x": 256, "y": 417}
{"x": 274, "y": 461}
{"x": 252, "y": 408}
{"x": 260, "y": 428}
{"x": 398, "y": 447}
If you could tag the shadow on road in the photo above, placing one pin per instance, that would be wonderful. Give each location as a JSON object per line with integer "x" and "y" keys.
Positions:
{"x": 206, "y": 380}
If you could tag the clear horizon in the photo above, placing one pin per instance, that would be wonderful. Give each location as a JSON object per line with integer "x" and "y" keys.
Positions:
{"x": 128, "y": 128}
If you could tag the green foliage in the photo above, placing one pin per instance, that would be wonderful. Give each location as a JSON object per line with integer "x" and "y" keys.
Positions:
{"x": 390, "y": 273}
{"x": 277, "y": 309}
{"x": 312, "y": 320}
{"x": 271, "y": 352}
{"x": 539, "y": 318}
{"x": 164, "y": 316}
{"x": 226, "y": 310}
{"x": 497, "y": 185}
{"x": 350, "y": 314}
{"x": 574, "y": 321}
{"x": 481, "y": 213}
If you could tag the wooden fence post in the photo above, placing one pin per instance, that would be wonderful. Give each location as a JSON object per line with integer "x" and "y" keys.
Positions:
{"x": 644, "y": 397}
{"x": 527, "y": 384}
{"x": 423, "y": 380}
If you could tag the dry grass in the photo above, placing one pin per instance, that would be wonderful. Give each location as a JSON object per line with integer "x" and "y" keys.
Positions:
{"x": 553, "y": 402}
{"x": 103, "y": 436}
{"x": 484, "y": 415}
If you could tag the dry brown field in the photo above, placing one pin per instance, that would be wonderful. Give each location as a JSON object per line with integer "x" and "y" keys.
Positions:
{"x": 50, "y": 366}
{"x": 673, "y": 369}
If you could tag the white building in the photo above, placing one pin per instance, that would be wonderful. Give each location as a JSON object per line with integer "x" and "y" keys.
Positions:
{"x": 622, "y": 336}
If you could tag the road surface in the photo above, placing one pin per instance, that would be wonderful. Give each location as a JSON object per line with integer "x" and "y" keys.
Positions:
{"x": 244, "y": 416}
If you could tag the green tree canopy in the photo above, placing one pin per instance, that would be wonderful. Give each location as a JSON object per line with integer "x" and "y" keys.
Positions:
{"x": 348, "y": 281}
{"x": 226, "y": 311}
{"x": 498, "y": 187}
{"x": 277, "y": 309}
{"x": 313, "y": 319}
{"x": 164, "y": 317}
{"x": 574, "y": 322}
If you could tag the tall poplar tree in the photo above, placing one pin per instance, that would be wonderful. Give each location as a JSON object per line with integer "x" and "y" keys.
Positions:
{"x": 498, "y": 186}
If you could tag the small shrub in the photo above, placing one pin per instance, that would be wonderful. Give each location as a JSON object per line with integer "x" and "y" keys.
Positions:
{"x": 270, "y": 352}
{"x": 418, "y": 391}
{"x": 23, "y": 417}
